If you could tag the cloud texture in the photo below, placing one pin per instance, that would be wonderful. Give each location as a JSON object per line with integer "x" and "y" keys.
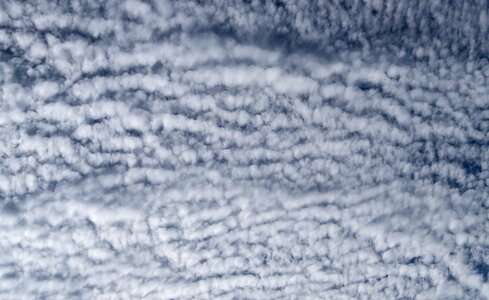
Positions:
{"x": 244, "y": 149}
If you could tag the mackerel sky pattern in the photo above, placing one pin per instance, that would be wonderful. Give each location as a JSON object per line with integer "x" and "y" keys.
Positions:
{"x": 244, "y": 149}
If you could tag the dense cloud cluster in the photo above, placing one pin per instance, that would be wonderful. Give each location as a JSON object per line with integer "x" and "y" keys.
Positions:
{"x": 249, "y": 149}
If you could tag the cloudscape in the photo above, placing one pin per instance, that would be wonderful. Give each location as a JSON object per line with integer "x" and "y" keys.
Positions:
{"x": 248, "y": 149}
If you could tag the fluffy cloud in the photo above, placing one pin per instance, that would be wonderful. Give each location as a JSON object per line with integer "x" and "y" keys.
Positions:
{"x": 244, "y": 149}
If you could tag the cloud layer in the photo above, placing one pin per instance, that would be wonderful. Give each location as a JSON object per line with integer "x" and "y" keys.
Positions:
{"x": 244, "y": 149}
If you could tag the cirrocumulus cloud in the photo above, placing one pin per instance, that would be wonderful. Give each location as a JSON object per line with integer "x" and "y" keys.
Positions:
{"x": 244, "y": 149}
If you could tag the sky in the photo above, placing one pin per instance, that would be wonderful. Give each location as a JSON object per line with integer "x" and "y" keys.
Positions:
{"x": 244, "y": 149}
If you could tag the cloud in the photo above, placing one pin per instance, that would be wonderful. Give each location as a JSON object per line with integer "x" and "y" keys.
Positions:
{"x": 184, "y": 149}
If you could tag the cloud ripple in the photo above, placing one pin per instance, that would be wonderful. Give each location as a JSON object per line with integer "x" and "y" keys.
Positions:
{"x": 244, "y": 149}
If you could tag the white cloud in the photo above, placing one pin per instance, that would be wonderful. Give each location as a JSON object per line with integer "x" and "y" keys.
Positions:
{"x": 46, "y": 89}
{"x": 186, "y": 149}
